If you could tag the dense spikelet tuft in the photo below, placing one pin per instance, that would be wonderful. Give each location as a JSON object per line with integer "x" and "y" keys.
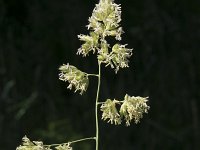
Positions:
{"x": 76, "y": 78}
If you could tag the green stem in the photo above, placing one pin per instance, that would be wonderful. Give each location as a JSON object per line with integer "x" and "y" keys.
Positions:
{"x": 115, "y": 101}
{"x": 99, "y": 103}
{"x": 80, "y": 140}
{"x": 96, "y": 107}
{"x": 96, "y": 75}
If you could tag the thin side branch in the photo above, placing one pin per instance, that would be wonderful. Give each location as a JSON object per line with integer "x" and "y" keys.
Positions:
{"x": 95, "y": 75}
{"x": 71, "y": 142}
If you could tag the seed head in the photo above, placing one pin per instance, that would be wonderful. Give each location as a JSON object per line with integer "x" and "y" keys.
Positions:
{"x": 76, "y": 78}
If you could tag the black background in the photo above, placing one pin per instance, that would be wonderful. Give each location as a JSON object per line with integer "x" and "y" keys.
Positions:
{"x": 37, "y": 36}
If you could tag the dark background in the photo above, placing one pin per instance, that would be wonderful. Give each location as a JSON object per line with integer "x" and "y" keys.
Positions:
{"x": 37, "y": 36}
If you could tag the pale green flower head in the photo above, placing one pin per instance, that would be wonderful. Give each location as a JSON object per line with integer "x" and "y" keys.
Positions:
{"x": 105, "y": 19}
{"x": 91, "y": 43}
{"x": 110, "y": 112}
{"x": 28, "y": 145}
{"x": 119, "y": 56}
{"x": 76, "y": 78}
{"x": 105, "y": 22}
{"x": 133, "y": 108}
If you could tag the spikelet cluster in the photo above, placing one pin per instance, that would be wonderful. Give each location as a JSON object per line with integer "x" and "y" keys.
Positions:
{"x": 76, "y": 78}
{"x": 132, "y": 108}
{"x": 104, "y": 22}
{"x": 64, "y": 147}
{"x": 29, "y": 145}
{"x": 110, "y": 112}
{"x": 38, "y": 145}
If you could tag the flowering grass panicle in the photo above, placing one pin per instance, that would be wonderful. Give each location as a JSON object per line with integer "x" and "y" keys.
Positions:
{"x": 104, "y": 22}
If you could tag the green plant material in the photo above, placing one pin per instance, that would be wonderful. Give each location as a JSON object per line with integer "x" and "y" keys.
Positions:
{"x": 105, "y": 19}
{"x": 91, "y": 43}
{"x": 110, "y": 112}
{"x": 38, "y": 145}
{"x": 75, "y": 77}
{"x": 133, "y": 108}
{"x": 104, "y": 22}
{"x": 119, "y": 56}
{"x": 28, "y": 145}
